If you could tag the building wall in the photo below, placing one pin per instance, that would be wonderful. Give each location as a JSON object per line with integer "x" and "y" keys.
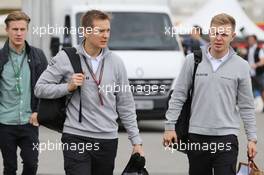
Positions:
{"x": 10, "y": 4}
{"x": 5, "y": 7}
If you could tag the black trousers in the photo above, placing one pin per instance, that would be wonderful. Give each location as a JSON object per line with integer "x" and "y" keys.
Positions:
{"x": 218, "y": 155}
{"x": 24, "y": 137}
{"x": 88, "y": 156}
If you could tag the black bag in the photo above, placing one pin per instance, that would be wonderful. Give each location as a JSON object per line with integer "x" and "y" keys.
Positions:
{"x": 182, "y": 125}
{"x": 52, "y": 112}
{"x": 135, "y": 166}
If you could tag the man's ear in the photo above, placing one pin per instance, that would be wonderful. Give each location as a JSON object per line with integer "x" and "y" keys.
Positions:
{"x": 233, "y": 36}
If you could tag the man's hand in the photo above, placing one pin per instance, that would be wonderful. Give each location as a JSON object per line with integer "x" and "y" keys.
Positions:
{"x": 253, "y": 66}
{"x": 169, "y": 138}
{"x": 138, "y": 149}
{"x": 33, "y": 120}
{"x": 76, "y": 80}
{"x": 252, "y": 149}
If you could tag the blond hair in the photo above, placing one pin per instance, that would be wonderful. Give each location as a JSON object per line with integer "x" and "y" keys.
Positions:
{"x": 16, "y": 16}
{"x": 223, "y": 19}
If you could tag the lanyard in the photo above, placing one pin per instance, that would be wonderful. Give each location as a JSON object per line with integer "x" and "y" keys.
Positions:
{"x": 17, "y": 72}
{"x": 97, "y": 82}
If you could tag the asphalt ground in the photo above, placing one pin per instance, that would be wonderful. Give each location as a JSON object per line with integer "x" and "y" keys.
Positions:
{"x": 159, "y": 161}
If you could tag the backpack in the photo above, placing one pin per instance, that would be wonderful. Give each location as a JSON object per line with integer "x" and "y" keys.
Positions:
{"x": 52, "y": 112}
{"x": 182, "y": 125}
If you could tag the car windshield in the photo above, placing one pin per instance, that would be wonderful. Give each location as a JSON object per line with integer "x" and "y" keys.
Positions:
{"x": 139, "y": 31}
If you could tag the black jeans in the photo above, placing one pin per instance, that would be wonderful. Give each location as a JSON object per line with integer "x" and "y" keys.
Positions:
{"x": 217, "y": 154}
{"x": 88, "y": 156}
{"x": 24, "y": 137}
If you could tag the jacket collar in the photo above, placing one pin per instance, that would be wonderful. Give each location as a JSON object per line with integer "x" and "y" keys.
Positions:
{"x": 231, "y": 51}
{"x": 5, "y": 51}
{"x": 80, "y": 50}
{"x": 6, "y": 47}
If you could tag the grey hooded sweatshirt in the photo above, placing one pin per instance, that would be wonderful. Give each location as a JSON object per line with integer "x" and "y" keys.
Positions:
{"x": 99, "y": 121}
{"x": 220, "y": 97}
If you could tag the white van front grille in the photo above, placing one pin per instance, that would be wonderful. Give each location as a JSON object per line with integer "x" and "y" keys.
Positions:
{"x": 150, "y": 87}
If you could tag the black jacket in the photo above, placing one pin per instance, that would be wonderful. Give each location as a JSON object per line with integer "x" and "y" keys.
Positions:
{"x": 37, "y": 63}
{"x": 259, "y": 70}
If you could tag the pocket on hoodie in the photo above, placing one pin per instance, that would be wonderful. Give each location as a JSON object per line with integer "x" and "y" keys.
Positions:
{"x": 229, "y": 82}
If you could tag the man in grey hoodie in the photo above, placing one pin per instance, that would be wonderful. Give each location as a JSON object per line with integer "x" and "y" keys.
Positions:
{"x": 222, "y": 95}
{"x": 103, "y": 100}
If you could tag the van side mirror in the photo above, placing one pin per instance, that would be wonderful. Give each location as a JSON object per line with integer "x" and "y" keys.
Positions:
{"x": 54, "y": 45}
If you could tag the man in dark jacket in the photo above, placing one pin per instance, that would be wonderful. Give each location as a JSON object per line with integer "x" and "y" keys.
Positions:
{"x": 255, "y": 58}
{"x": 194, "y": 40}
{"x": 20, "y": 68}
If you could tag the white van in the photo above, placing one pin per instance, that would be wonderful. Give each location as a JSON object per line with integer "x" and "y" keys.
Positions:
{"x": 152, "y": 59}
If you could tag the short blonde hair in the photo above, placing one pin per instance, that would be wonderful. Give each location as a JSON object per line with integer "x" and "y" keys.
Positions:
{"x": 16, "y": 16}
{"x": 223, "y": 19}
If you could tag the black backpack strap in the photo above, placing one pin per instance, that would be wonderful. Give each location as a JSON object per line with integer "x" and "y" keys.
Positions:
{"x": 77, "y": 67}
{"x": 197, "y": 59}
{"x": 74, "y": 59}
{"x": 256, "y": 54}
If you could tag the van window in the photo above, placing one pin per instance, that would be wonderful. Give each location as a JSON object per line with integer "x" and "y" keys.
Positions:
{"x": 139, "y": 31}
